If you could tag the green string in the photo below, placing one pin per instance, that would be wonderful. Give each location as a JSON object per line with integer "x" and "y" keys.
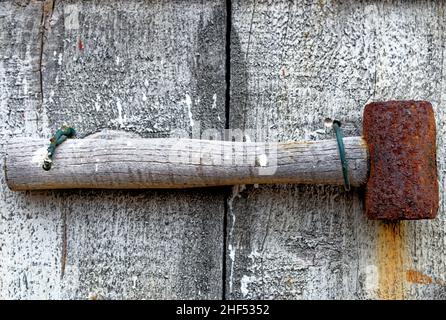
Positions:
{"x": 60, "y": 136}
{"x": 344, "y": 162}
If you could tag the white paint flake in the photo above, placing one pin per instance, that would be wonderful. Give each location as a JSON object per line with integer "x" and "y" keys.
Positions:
{"x": 25, "y": 86}
{"x": 214, "y": 105}
{"x": 97, "y": 105}
{"x": 144, "y": 97}
{"x": 188, "y": 102}
{"x": 236, "y": 190}
{"x": 244, "y": 282}
{"x": 262, "y": 160}
{"x": 231, "y": 252}
{"x": 59, "y": 59}
{"x": 214, "y": 101}
{"x": 371, "y": 278}
{"x": 120, "y": 119}
{"x": 39, "y": 155}
{"x": 52, "y": 93}
{"x": 71, "y": 13}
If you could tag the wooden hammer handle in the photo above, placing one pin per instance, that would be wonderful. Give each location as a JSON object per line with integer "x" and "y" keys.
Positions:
{"x": 180, "y": 163}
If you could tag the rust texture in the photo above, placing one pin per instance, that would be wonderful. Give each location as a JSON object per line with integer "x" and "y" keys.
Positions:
{"x": 403, "y": 180}
{"x": 415, "y": 276}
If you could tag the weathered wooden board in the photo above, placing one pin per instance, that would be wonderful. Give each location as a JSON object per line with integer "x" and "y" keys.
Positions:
{"x": 151, "y": 67}
{"x": 147, "y": 67}
{"x": 294, "y": 63}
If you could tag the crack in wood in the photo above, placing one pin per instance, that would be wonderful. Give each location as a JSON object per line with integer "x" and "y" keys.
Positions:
{"x": 47, "y": 13}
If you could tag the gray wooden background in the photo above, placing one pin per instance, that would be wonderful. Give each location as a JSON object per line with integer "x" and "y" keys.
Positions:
{"x": 153, "y": 67}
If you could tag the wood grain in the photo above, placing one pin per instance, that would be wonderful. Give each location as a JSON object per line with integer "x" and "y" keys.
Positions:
{"x": 180, "y": 163}
{"x": 147, "y": 67}
{"x": 294, "y": 63}
{"x": 154, "y": 67}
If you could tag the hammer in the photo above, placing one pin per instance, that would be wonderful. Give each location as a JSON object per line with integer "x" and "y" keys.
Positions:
{"x": 395, "y": 160}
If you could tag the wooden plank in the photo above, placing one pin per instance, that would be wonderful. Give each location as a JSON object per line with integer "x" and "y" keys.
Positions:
{"x": 179, "y": 163}
{"x": 145, "y": 67}
{"x": 29, "y": 226}
{"x": 294, "y": 63}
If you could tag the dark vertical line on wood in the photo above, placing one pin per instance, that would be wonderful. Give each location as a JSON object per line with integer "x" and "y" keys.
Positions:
{"x": 42, "y": 36}
{"x": 228, "y": 62}
{"x": 53, "y": 5}
{"x": 227, "y": 126}
{"x": 250, "y": 29}
{"x": 47, "y": 13}
{"x": 64, "y": 242}
{"x": 225, "y": 243}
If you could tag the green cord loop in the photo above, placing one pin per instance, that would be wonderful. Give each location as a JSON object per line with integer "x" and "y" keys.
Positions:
{"x": 60, "y": 136}
{"x": 341, "y": 148}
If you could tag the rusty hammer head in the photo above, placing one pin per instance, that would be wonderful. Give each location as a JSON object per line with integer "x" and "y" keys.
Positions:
{"x": 403, "y": 180}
